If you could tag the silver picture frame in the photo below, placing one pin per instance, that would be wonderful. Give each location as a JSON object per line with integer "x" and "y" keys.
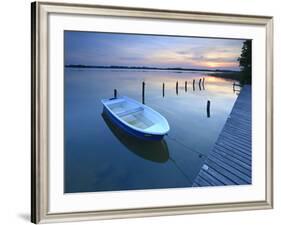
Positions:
{"x": 40, "y": 97}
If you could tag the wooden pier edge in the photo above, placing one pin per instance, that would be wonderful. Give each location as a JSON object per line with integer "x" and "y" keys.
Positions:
{"x": 230, "y": 160}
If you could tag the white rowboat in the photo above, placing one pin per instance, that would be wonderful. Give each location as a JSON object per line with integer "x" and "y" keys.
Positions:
{"x": 135, "y": 118}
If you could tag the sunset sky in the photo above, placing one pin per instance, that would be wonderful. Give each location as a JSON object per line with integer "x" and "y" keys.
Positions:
{"x": 105, "y": 49}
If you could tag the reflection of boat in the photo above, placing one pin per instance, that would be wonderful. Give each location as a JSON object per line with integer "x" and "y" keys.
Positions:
{"x": 156, "y": 151}
{"x": 135, "y": 118}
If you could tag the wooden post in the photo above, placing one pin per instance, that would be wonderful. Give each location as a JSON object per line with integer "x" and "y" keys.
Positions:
{"x": 185, "y": 86}
{"x": 208, "y": 108}
{"x": 193, "y": 84}
{"x": 177, "y": 87}
{"x": 203, "y": 83}
{"x": 115, "y": 93}
{"x": 143, "y": 92}
{"x": 200, "y": 84}
{"x": 163, "y": 90}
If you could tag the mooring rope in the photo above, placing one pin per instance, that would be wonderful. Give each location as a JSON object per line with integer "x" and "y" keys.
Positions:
{"x": 181, "y": 171}
{"x": 185, "y": 146}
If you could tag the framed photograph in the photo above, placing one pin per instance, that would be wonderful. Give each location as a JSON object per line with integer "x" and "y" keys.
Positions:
{"x": 146, "y": 112}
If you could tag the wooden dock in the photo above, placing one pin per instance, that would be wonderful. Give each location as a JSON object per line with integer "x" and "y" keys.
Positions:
{"x": 230, "y": 160}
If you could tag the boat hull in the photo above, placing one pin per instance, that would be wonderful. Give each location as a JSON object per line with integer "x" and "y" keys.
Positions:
{"x": 129, "y": 130}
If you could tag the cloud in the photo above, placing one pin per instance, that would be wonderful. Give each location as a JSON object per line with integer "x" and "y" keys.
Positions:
{"x": 131, "y": 58}
{"x": 150, "y": 50}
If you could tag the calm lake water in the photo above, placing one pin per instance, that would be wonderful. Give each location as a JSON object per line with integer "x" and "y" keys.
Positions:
{"x": 100, "y": 157}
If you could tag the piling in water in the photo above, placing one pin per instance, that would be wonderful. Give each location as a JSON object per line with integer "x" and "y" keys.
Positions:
{"x": 115, "y": 93}
{"x": 177, "y": 88}
{"x": 143, "y": 92}
{"x": 185, "y": 86}
{"x": 208, "y": 108}
{"x": 193, "y": 85}
{"x": 163, "y": 90}
{"x": 200, "y": 84}
{"x": 203, "y": 83}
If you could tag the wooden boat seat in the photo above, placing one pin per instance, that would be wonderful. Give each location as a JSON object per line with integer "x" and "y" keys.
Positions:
{"x": 130, "y": 111}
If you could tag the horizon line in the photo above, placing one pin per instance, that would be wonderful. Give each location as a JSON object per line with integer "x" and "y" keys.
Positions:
{"x": 149, "y": 67}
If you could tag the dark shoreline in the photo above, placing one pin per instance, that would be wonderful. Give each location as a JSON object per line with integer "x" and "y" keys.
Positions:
{"x": 149, "y": 68}
{"x": 238, "y": 76}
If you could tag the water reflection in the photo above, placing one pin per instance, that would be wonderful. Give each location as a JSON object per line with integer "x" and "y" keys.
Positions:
{"x": 156, "y": 151}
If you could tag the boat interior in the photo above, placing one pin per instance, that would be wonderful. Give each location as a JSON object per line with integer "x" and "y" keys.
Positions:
{"x": 132, "y": 114}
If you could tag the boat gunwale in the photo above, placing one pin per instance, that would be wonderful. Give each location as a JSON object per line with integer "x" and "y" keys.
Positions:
{"x": 145, "y": 108}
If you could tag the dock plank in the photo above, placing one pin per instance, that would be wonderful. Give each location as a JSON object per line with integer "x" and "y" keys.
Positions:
{"x": 234, "y": 152}
{"x": 230, "y": 160}
{"x": 202, "y": 182}
{"x": 238, "y": 155}
{"x": 229, "y": 166}
{"x": 212, "y": 180}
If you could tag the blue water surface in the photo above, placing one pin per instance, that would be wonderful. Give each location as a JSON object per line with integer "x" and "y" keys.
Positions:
{"x": 100, "y": 157}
